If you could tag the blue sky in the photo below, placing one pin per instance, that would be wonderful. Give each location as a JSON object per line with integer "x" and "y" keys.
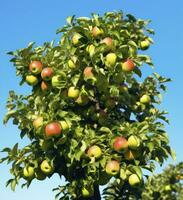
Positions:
{"x": 24, "y": 21}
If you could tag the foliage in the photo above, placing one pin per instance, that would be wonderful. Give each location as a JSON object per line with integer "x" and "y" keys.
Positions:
{"x": 107, "y": 105}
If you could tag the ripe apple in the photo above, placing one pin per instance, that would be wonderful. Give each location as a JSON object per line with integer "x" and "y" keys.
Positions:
{"x": 31, "y": 80}
{"x": 73, "y": 92}
{"x": 144, "y": 44}
{"x": 39, "y": 175}
{"x": 28, "y": 172}
{"x": 108, "y": 41}
{"x": 97, "y": 31}
{"x": 38, "y": 122}
{"x": 64, "y": 125}
{"x": 111, "y": 59}
{"x": 120, "y": 143}
{"x": 134, "y": 180}
{"x": 94, "y": 151}
{"x": 133, "y": 142}
{"x": 46, "y": 167}
{"x": 145, "y": 99}
{"x": 36, "y": 67}
{"x": 88, "y": 72}
{"x": 112, "y": 167}
{"x": 128, "y": 65}
{"x": 86, "y": 193}
{"x": 47, "y": 73}
{"x": 44, "y": 86}
{"x": 53, "y": 129}
{"x": 75, "y": 38}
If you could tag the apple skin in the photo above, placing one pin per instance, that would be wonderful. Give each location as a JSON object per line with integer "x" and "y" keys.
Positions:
{"x": 120, "y": 143}
{"x": 145, "y": 99}
{"x": 133, "y": 142}
{"x": 46, "y": 167}
{"x": 36, "y": 67}
{"x": 73, "y": 92}
{"x": 31, "y": 80}
{"x": 71, "y": 64}
{"x": 108, "y": 41}
{"x": 112, "y": 167}
{"x": 28, "y": 172}
{"x": 47, "y": 73}
{"x": 94, "y": 151}
{"x": 38, "y": 122}
{"x": 134, "y": 180}
{"x": 144, "y": 44}
{"x": 44, "y": 86}
{"x": 53, "y": 129}
{"x": 111, "y": 59}
{"x": 55, "y": 81}
{"x": 167, "y": 188}
{"x": 39, "y": 175}
{"x": 75, "y": 38}
{"x": 96, "y": 31}
{"x": 128, "y": 65}
{"x": 86, "y": 193}
{"x": 64, "y": 125}
{"x": 90, "y": 49}
{"x": 88, "y": 72}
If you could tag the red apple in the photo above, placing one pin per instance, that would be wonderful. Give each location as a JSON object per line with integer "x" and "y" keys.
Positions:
{"x": 120, "y": 143}
{"x": 128, "y": 65}
{"x": 44, "y": 86}
{"x": 88, "y": 72}
{"x": 108, "y": 41}
{"x": 94, "y": 151}
{"x": 38, "y": 122}
{"x": 53, "y": 129}
{"x": 112, "y": 167}
{"x": 36, "y": 67}
{"x": 47, "y": 73}
{"x": 96, "y": 31}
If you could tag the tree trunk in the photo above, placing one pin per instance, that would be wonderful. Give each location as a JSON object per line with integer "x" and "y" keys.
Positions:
{"x": 97, "y": 195}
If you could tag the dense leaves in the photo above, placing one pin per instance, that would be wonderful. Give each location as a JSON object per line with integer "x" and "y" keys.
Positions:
{"x": 90, "y": 85}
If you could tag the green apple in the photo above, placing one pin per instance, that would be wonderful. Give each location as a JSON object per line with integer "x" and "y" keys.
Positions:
{"x": 31, "y": 80}
{"x": 73, "y": 92}
{"x": 133, "y": 142}
{"x": 38, "y": 122}
{"x": 145, "y": 99}
{"x": 111, "y": 59}
{"x": 112, "y": 167}
{"x": 39, "y": 175}
{"x": 144, "y": 44}
{"x": 75, "y": 38}
{"x": 90, "y": 49}
{"x": 97, "y": 31}
{"x": 28, "y": 172}
{"x": 71, "y": 64}
{"x": 46, "y": 167}
{"x": 94, "y": 151}
{"x": 128, "y": 65}
{"x": 64, "y": 125}
{"x": 134, "y": 180}
{"x": 86, "y": 193}
{"x": 167, "y": 188}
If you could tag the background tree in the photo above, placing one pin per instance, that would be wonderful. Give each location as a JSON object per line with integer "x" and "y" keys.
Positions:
{"x": 89, "y": 118}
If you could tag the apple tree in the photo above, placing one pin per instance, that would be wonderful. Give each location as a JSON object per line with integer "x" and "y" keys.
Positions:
{"x": 91, "y": 117}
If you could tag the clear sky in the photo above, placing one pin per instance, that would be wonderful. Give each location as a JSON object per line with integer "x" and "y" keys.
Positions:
{"x": 24, "y": 21}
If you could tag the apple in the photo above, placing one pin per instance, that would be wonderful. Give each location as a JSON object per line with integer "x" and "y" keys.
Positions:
{"x": 112, "y": 167}
{"x": 55, "y": 81}
{"x": 47, "y": 73}
{"x": 120, "y": 143}
{"x": 94, "y": 151}
{"x": 123, "y": 88}
{"x": 145, "y": 99}
{"x": 44, "y": 86}
{"x": 36, "y": 67}
{"x": 39, "y": 175}
{"x": 130, "y": 155}
{"x": 75, "y": 38}
{"x": 86, "y": 193}
{"x": 38, "y": 122}
{"x": 133, "y": 142}
{"x": 53, "y": 129}
{"x": 128, "y": 65}
{"x": 144, "y": 44}
{"x": 108, "y": 41}
{"x": 134, "y": 180}
{"x": 97, "y": 31}
{"x": 64, "y": 125}
{"x": 88, "y": 72}
{"x": 111, "y": 59}
{"x": 28, "y": 172}
{"x": 46, "y": 167}
{"x": 71, "y": 64}
{"x": 31, "y": 80}
{"x": 73, "y": 92}
{"x": 167, "y": 188}
{"x": 90, "y": 49}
